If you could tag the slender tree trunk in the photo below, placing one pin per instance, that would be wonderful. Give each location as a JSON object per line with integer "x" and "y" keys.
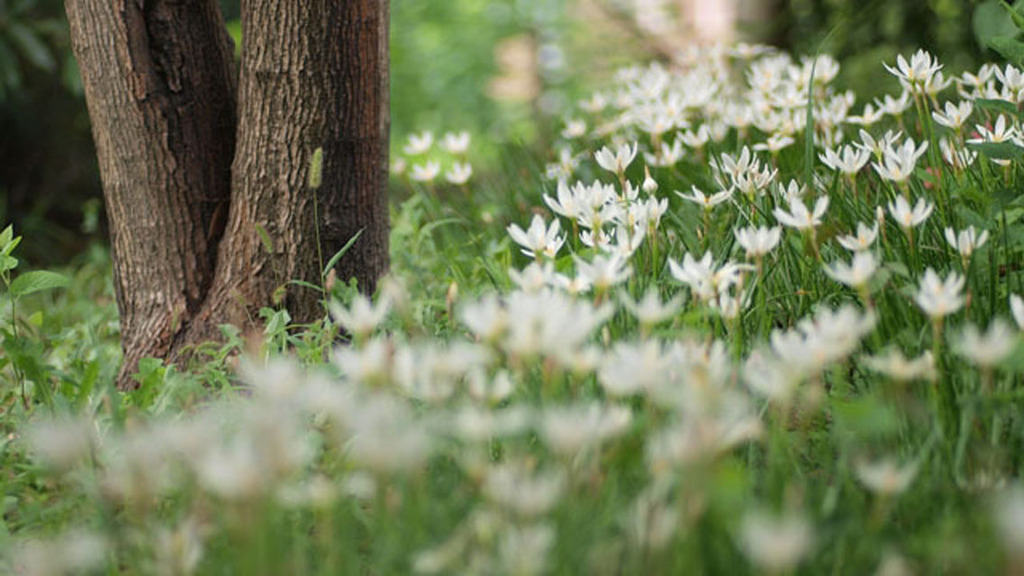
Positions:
{"x": 190, "y": 190}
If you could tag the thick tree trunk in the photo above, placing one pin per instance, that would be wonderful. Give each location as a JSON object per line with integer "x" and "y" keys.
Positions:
{"x": 159, "y": 85}
{"x": 161, "y": 98}
{"x": 314, "y": 74}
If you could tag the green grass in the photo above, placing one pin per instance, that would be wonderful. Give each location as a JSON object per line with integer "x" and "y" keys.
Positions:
{"x": 479, "y": 426}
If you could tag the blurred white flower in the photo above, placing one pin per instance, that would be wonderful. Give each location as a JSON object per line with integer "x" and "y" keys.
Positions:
{"x": 775, "y": 543}
{"x": 455, "y": 142}
{"x": 460, "y": 173}
{"x": 967, "y": 241}
{"x": 863, "y": 240}
{"x": 618, "y": 160}
{"x": 758, "y": 241}
{"x": 650, "y": 310}
{"x": 848, "y": 159}
{"x": 518, "y": 488}
{"x": 697, "y": 196}
{"x": 939, "y": 298}
{"x": 419, "y": 143}
{"x": 896, "y": 366}
{"x": 538, "y": 239}
{"x": 361, "y": 317}
{"x": 425, "y": 172}
{"x": 1017, "y": 309}
{"x": 799, "y": 216}
{"x": 990, "y": 348}
{"x": 885, "y": 477}
{"x": 572, "y": 429}
{"x": 858, "y": 273}
{"x": 908, "y": 217}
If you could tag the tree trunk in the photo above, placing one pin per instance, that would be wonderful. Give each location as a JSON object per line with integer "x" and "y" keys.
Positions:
{"x": 314, "y": 74}
{"x": 177, "y": 166}
{"x": 161, "y": 96}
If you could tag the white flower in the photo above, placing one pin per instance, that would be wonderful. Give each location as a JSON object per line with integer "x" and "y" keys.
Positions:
{"x": 618, "y": 160}
{"x": 967, "y": 241}
{"x": 538, "y": 239}
{"x": 899, "y": 368}
{"x": 919, "y": 70}
{"x": 361, "y": 317}
{"x": 956, "y": 155}
{"x": 702, "y": 277}
{"x": 572, "y": 429}
{"x": 907, "y": 217}
{"x": 604, "y": 271}
{"x": 697, "y": 196}
{"x": 990, "y": 348}
{"x": 425, "y": 172}
{"x": 849, "y": 159}
{"x": 955, "y": 114}
{"x": 858, "y": 273}
{"x": 799, "y": 216}
{"x": 651, "y": 310}
{"x": 419, "y": 143}
{"x": 776, "y": 544}
{"x": 885, "y": 477}
{"x": 515, "y": 487}
{"x": 939, "y": 298}
{"x": 898, "y": 163}
{"x": 460, "y": 173}
{"x": 863, "y": 240}
{"x": 455, "y": 143}
{"x": 998, "y": 133}
{"x": 1017, "y": 308}
{"x": 574, "y": 129}
{"x": 758, "y": 241}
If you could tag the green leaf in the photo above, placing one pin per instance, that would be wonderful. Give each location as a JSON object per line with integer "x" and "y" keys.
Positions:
{"x": 1000, "y": 150}
{"x": 37, "y": 281}
{"x": 997, "y": 106}
{"x": 31, "y": 46}
{"x": 989, "y": 21}
{"x": 7, "y": 263}
{"x": 235, "y": 31}
{"x": 6, "y": 236}
{"x": 1016, "y": 14}
{"x": 1008, "y": 48}
{"x": 265, "y": 239}
{"x": 337, "y": 255}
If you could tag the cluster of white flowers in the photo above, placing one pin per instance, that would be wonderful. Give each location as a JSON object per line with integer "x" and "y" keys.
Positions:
{"x": 537, "y": 384}
{"x": 455, "y": 144}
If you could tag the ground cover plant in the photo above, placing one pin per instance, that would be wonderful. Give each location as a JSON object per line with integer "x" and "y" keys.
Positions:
{"x": 740, "y": 323}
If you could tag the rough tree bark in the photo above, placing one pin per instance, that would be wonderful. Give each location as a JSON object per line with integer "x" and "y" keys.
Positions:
{"x": 194, "y": 167}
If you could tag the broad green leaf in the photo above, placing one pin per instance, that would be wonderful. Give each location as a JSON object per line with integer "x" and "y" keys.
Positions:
{"x": 6, "y": 236}
{"x": 989, "y": 21}
{"x": 1012, "y": 50}
{"x": 37, "y": 281}
{"x": 7, "y": 263}
{"x": 1000, "y": 150}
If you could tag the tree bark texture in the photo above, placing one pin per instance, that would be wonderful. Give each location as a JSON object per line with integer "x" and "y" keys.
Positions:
{"x": 195, "y": 169}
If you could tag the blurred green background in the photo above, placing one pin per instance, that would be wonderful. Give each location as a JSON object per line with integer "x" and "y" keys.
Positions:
{"x": 456, "y": 65}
